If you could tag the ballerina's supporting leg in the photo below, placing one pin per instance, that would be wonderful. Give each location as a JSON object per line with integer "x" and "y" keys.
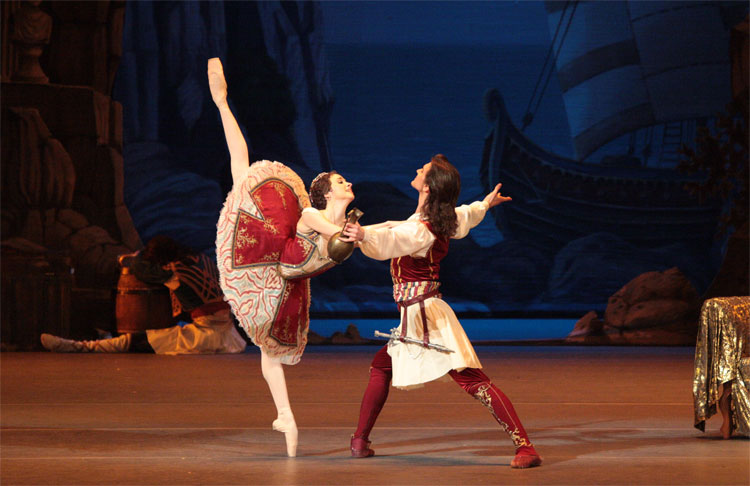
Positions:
{"x": 273, "y": 372}
{"x": 725, "y": 407}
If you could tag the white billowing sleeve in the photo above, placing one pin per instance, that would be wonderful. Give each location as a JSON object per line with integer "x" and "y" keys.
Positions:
{"x": 408, "y": 238}
{"x": 469, "y": 216}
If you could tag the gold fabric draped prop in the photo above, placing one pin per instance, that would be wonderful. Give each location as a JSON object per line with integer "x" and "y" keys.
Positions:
{"x": 722, "y": 354}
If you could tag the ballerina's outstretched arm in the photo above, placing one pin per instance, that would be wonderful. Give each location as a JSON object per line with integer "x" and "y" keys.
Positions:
{"x": 238, "y": 153}
{"x": 316, "y": 222}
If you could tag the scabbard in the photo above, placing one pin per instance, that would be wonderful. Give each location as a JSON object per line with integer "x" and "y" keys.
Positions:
{"x": 405, "y": 339}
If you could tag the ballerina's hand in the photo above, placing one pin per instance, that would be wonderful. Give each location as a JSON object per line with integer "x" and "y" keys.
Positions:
{"x": 494, "y": 198}
{"x": 353, "y": 232}
{"x": 216, "y": 81}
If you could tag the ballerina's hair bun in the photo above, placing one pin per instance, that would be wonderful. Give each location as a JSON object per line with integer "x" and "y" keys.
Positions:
{"x": 319, "y": 187}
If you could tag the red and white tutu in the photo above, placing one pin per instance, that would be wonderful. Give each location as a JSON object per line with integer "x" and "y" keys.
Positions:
{"x": 255, "y": 233}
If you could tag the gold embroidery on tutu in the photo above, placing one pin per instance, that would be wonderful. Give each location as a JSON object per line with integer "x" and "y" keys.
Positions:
{"x": 281, "y": 191}
{"x": 268, "y": 224}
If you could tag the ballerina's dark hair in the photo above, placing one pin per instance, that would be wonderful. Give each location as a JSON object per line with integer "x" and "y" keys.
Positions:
{"x": 439, "y": 209}
{"x": 319, "y": 187}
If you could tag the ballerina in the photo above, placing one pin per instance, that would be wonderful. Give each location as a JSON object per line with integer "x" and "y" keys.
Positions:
{"x": 269, "y": 242}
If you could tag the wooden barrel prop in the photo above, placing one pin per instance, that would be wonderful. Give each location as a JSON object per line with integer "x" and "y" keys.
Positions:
{"x": 140, "y": 306}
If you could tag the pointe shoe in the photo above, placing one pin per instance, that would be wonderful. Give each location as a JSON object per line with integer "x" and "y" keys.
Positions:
{"x": 361, "y": 447}
{"x": 287, "y": 425}
{"x": 526, "y": 457}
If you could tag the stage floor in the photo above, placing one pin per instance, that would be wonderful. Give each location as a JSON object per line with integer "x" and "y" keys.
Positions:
{"x": 605, "y": 415}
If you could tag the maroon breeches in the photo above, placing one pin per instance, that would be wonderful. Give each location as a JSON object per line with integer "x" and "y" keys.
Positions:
{"x": 473, "y": 380}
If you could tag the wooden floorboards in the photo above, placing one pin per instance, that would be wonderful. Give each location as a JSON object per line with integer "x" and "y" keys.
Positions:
{"x": 605, "y": 415}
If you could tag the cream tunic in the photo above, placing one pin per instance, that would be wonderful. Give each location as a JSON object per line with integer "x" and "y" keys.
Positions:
{"x": 413, "y": 364}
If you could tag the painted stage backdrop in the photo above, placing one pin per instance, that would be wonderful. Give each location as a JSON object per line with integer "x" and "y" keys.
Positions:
{"x": 595, "y": 116}
{"x": 578, "y": 109}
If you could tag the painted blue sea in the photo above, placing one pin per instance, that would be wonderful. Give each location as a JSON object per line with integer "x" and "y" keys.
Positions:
{"x": 395, "y": 106}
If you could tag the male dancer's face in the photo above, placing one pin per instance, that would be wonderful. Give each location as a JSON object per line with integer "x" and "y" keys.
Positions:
{"x": 418, "y": 182}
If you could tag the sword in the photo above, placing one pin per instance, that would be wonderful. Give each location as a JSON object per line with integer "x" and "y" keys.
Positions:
{"x": 395, "y": 337}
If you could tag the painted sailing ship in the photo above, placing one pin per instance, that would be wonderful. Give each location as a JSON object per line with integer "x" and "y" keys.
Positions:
{"x": 646, "y": 73}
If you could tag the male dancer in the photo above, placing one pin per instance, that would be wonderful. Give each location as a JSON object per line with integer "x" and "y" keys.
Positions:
{"x": 416, "y": 247}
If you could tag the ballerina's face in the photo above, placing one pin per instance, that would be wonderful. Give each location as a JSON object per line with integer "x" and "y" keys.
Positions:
{"x": 340, "y": 189}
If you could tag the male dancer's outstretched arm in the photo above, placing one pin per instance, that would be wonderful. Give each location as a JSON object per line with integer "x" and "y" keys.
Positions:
{"x": 393, "y": 239}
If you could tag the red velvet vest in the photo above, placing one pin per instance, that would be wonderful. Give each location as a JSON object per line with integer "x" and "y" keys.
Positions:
{"x": 408, "y": 269}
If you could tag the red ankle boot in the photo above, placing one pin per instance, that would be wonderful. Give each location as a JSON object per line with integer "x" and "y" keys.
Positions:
{"x": 361, "y": 447}
{"x": 526, "y": 457}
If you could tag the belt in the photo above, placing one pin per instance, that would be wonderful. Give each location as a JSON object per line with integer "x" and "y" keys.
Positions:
{"x": 417, "y": 300}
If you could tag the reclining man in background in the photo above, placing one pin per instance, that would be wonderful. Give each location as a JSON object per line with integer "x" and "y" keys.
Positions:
{"x": 193, "y": 283}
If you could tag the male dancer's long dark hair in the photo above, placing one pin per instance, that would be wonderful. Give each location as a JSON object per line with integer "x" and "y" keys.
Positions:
{"x": 440, "y": 207}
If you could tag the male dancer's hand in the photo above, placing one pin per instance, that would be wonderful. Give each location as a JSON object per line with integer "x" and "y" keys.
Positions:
{"x": 354, "y": 231}
{"x": 495, "y": 198}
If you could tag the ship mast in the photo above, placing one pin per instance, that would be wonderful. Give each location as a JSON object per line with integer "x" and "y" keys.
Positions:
{"x": 548, "y": 67}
